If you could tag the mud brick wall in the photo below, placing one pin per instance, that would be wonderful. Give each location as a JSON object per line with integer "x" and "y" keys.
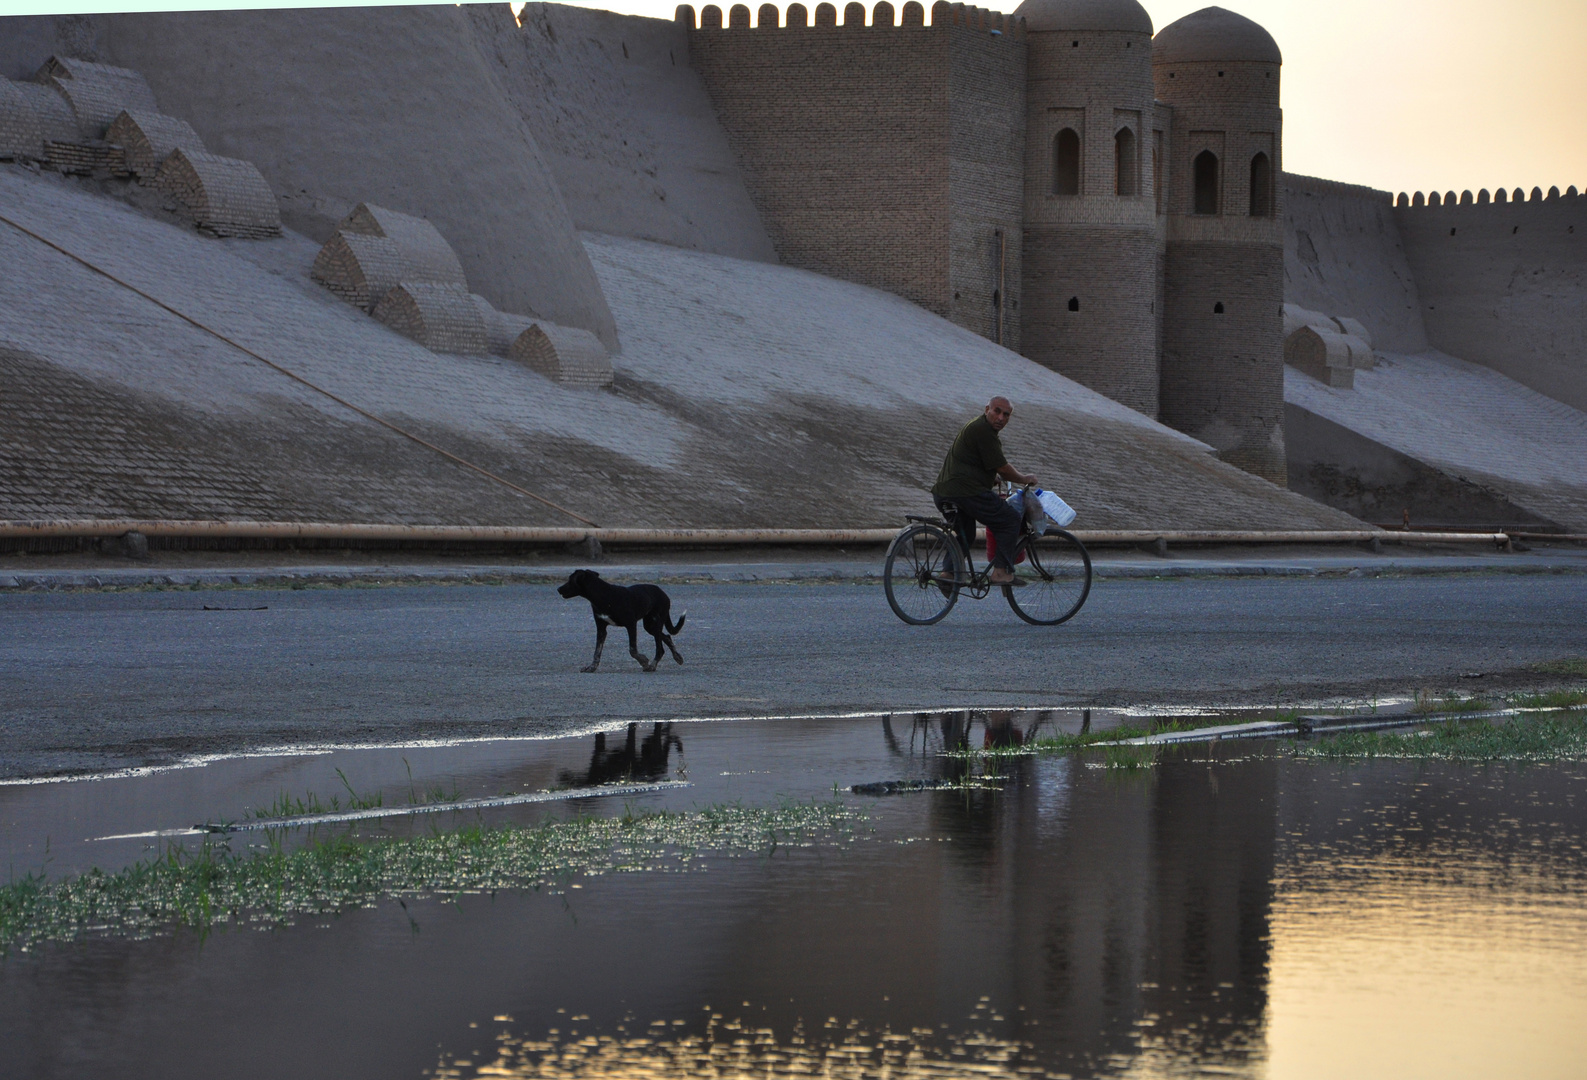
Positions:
{"x": 1505, "y": 285}
{"x": 1222, "y": 349}
{"x": 1222, "y": 371}
{"x": 1095, "y": 250}
{"x": 883, "y": 155}
{"x": 986, "y": 161}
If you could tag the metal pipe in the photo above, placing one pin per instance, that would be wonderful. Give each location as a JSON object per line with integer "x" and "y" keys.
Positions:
{"x": 285, "y": 530}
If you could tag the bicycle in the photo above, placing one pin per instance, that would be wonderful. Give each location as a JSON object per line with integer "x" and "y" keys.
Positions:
{"x": 927, "y": 568}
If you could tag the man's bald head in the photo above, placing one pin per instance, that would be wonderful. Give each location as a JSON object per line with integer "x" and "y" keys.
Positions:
{"x": 998, "y": 410}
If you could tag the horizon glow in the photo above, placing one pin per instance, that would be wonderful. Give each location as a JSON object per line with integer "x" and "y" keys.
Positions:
{"x": 1401, "y": 95}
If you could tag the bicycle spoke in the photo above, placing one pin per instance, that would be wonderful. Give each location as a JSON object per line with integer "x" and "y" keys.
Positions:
{"x": 1057, "y": 577}
{"x": 919, "y": 575}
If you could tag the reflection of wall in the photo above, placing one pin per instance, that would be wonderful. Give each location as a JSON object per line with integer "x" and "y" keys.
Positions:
{"x": 1213, "y": 850}
{"x": 1092, "y": 902}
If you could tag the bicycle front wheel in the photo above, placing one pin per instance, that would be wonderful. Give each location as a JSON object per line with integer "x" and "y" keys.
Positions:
{"x": 922, "y": 574}
{"x": 1057, "y": 579}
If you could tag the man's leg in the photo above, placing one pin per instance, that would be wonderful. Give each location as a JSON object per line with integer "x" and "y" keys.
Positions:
{"x": 1002, "y": 520}
{"x": 964, "y": 527}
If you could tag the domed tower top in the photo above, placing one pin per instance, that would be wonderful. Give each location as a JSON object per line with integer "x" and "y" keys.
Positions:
{"x": 1212, "y": 35}
{"x": 1123, "y": 15}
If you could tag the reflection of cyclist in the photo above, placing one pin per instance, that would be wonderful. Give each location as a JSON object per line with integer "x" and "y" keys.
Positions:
{"x": 974, "y": 463}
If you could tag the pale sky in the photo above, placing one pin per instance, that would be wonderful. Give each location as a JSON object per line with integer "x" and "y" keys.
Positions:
{"x": 1405, "y": 95}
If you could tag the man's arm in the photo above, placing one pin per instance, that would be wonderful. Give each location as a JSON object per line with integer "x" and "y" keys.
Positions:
{"x": 1014, "y": 476}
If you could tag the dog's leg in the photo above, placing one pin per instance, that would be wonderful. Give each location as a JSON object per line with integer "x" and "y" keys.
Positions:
{"x": 668, "y": 639}
{"x": 600, "y": 643}
{"x": 633, "y": 647}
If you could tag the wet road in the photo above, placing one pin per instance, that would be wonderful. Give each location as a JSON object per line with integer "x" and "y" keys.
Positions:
{"x": 92, "y": 680}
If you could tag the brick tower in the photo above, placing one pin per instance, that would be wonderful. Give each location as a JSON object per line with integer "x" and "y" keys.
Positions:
{"x": 1222, "y": 351}
{"x": 1090, "y": 274}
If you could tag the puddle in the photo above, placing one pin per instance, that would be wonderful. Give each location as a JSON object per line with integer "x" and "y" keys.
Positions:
{"x": 1229, "y": 911}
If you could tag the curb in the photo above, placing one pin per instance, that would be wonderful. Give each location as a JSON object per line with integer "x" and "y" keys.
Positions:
{"x": 323, "y": 577}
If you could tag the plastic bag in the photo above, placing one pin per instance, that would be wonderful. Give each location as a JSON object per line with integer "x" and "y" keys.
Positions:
{"x": 1049, "y": 511}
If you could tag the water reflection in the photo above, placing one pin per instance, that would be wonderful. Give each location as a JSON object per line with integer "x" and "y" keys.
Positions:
{"x": 631, "y": 760}
{"x": 1225, "y": 912}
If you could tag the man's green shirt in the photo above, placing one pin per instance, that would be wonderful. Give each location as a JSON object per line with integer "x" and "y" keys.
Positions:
{"x": 972, "y": 462}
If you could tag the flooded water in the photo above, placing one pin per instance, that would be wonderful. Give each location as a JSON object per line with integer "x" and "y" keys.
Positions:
{"x": 1231, "y": 911}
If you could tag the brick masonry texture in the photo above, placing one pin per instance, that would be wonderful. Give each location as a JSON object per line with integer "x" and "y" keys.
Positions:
{"x": 97, "y": 93}
{"x": 224, "y": 196}
{"x": 441, "y": 317}
{"x": 747, "y": 394}
{"x": 1222, "y": 375}
{"x": 426, "y": 256}
{"x": 147, "y": 139}
{"x": 867, "y": 202}
{"x": 30, "y": 114}
{"x": 1096, "y": 247}
{"x": 563, "y": 354}
{"x": 359, "y": 268}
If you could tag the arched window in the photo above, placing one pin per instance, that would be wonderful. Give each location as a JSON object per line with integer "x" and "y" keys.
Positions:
{"x": 1205, "y": 173}
{"x": 1261, "y": 186}
{"x": 1066, "y": 163}
{"x": 1124, "y": 168}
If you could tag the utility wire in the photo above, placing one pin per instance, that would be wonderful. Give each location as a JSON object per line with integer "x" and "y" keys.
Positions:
{"x": 366, "y": 414}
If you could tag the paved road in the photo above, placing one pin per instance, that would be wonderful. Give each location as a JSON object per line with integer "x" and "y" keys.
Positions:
{"x": 96, "y": 679}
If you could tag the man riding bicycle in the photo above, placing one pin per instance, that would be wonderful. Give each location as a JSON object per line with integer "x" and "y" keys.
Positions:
{"x": 972, "y": 467}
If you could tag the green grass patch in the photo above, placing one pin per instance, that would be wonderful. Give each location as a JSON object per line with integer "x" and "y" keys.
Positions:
{"x": 1561, "y": 736}
{"x": 1550, "y": 699}
{"x": 213, "y": 887}
{"x": 1571, "y": 665}
{"x": 1450, "y": 703}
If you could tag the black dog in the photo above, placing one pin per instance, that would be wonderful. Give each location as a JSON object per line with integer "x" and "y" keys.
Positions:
{"x": 617, "y": 605}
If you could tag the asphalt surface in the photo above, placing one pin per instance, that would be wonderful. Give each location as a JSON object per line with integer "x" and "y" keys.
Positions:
{"x": 98, "y": 679}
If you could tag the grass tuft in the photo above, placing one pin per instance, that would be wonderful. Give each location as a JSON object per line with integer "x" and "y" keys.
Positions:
{"x": 1571, "y": 665}
{"x": 1550, "y": 699}
{"x": 211, "y": 886}
{"x": 1557, "y": 737}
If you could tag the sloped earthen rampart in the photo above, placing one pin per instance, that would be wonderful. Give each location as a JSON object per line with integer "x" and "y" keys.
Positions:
{"x": 1504, "y": 284}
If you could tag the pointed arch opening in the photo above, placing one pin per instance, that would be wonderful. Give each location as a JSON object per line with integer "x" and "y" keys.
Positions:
{"x": 1261, "y": 186}
{"x": 1125, "y": 165}
{"x": 1204, "y": 173}
{"x": 1066, "y": 163}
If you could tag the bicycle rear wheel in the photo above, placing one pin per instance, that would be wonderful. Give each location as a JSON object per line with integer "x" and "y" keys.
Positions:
{"x": 917, "y": 560}
{"x": 1057, "y": 577}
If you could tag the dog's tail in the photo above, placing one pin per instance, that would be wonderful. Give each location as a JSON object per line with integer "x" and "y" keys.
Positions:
{"x": 673, "y": 628}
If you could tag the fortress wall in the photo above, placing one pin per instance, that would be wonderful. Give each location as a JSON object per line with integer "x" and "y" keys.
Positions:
{"x": 986, "y": 160}
{"x": 867, "y": 202}
{"x": 1095, "y": 249}
{"x": 390, "y": 105}
{"x": 1505, "y": 285}
{"x": 884, "y": 155}
{"x": 626, "y": 126}
{"x": 1343, "y": 256}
